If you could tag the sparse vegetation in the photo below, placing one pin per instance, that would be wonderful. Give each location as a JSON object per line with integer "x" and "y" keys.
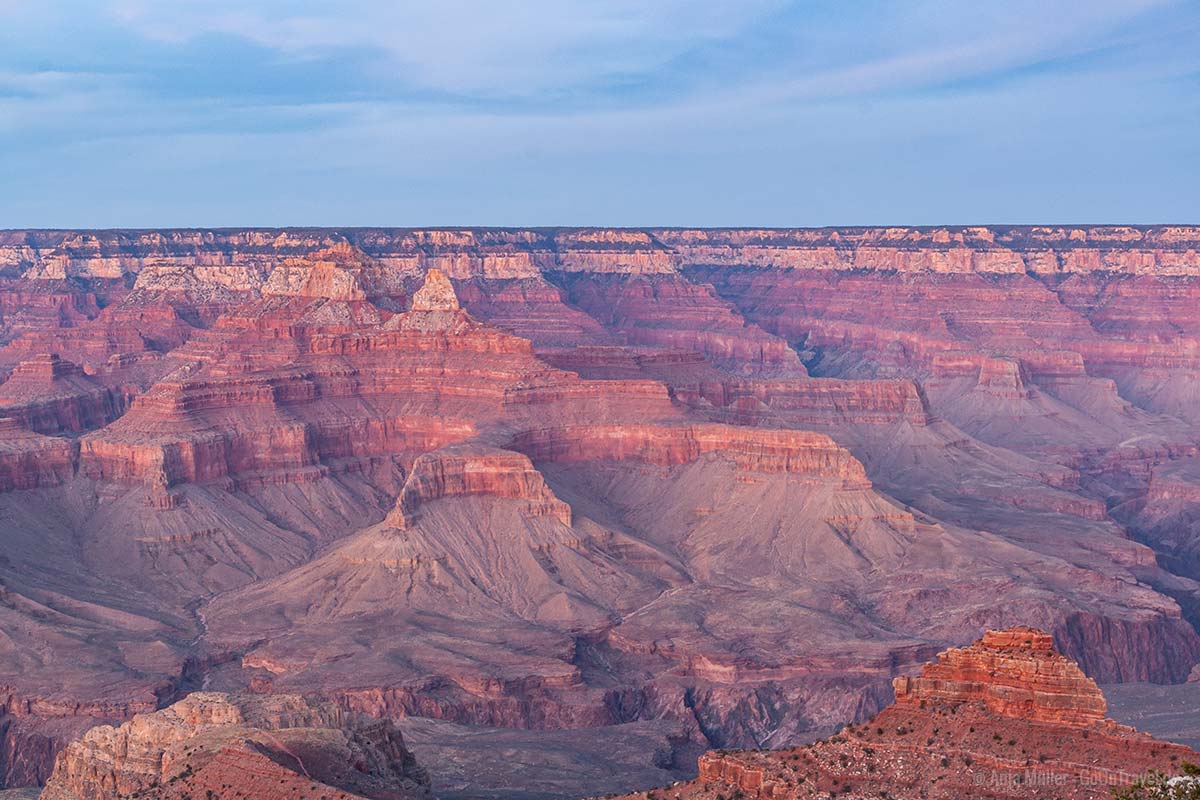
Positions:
{"x": 1156, "y": 785}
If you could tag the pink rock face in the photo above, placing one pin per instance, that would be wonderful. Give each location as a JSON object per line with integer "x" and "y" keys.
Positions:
{"x": 280, "y": 746}
{"x": 465, "y": 470}
{"x": 436, "y": 294}
{"x": 29, "y": 460}
{"x": 1013, "y": 673}
{"x": 1007, "y": 717}
{"x": 735, "y": 481}
{"x": 793, "y": 452}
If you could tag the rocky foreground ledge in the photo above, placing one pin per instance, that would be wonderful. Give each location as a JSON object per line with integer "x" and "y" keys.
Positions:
{"x": 1007, "y": 717}
{"x": 227, "y": 746}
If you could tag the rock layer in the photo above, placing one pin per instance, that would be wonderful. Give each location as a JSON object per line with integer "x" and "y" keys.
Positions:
{"x": 733, "y": 480}
{"x": 262, "y": 747}
{"x": 1012, "y": 673}
{"x": 1007, "y": 717}
{"x": 462, "y": 471}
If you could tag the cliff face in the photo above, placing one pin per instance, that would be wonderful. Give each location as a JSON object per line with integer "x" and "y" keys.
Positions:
{"x": 1157, "y": 250}
{"x": 1007, "y": 717}
{"x": 30, "y": 460}
{"x": 463, "y": 471}
{"x": 793, "y": 452}
{"x": 1011, "y": 673}
{"x": 1153, "y": 250}
{"x": 736, "y": 480}
{"x": 273, "y": 747}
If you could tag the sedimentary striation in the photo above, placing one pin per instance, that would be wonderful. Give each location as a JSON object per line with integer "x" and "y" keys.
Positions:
{"x": 466, "y": 470}
{"x": 219, "y": 745}
{"x": 1007, "y": 717}
{"x": 734, "y": 481}
{"x": 1012, "y": 673}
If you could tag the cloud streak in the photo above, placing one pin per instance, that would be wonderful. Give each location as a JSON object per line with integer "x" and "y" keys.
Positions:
{"x": 471, "y": 46}
{"x": 131, "y": 112}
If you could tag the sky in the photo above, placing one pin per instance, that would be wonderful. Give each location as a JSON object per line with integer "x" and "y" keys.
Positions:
{"x": 204, "y": 113}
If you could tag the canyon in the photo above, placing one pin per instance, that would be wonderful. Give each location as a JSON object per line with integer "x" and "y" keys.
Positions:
{"x": 701, "y": 488}
{"x": 1006, "y": 717}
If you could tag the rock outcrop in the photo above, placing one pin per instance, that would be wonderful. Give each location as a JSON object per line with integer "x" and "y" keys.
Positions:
{"x": 436, "y": 294}
{"x": 1013, "y": 673}
{"x": 275, "y": 746}
{"x": 52, "y": 395}
{"x": 1163, "y": 250}
{"x": 467, "y": 470}
{"x": 792, "y": 452}
{"x": 462, "y": 253}
{"x": 30, "y": 460}
{"x": 1007, "y": 717}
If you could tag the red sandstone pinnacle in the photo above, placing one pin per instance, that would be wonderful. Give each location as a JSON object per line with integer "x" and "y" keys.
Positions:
{"x": 1013, "y": 672}
{"x": 434, "y": 309}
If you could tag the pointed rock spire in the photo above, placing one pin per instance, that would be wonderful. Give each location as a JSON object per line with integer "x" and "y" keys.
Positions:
{"x": 436, "y": 295}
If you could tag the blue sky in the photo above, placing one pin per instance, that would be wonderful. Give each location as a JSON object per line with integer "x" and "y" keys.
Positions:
{"x": 155, "y": 113}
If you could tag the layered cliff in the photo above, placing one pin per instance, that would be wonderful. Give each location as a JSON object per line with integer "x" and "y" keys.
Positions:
{"x": 1162, "y": 250}
{"x": 984, "y": 720}
{"x": 1013, "y": 673}
{"x": 1169, "y": 250}
{"x": 29, "y": 460}
{"x": 735, "y": 480}
{"x": 467, "y": 470}
{"x": 49, "y": 394}
{"x": 765, "y": 451}
{"x": 279, "y": 746}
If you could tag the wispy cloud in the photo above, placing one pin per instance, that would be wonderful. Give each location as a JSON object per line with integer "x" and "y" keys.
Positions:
{"x": 606, "y": 109}
{"x": 470, "y": 46}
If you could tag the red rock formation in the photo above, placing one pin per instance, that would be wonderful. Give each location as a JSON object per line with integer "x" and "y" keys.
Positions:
{"x": 669, "y": 312}
{"x": 1156, "y": 250}
{"x": 277, "y": 746}
{"x": 341, "y": 273}
{"x": 1013, "y": 673}
{"x": 465, "y": 470}
{"x": 735, "y": 479}
{"x": 498, "y": 253}
{"x": 814, "y": 402}
{"x": 1004, "y": 718}
{"x": 602, "y": 251}
{"x": 436, "y": 294}
{"x": 754, "y": 450}
{"x": 33, "y": 730}
{"x": 40, "y": 306}
{"x": 52, "y": 395}
{"x": 29, "y": 460}
{"x": 534, "y": 309}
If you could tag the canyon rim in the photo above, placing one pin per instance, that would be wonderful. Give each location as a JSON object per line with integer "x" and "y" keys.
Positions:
{"x": 671, "y": 489}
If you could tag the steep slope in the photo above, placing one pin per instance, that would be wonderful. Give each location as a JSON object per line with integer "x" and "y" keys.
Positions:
{"x": 1004, "y": 718}
{"x": 749, "y": 583}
